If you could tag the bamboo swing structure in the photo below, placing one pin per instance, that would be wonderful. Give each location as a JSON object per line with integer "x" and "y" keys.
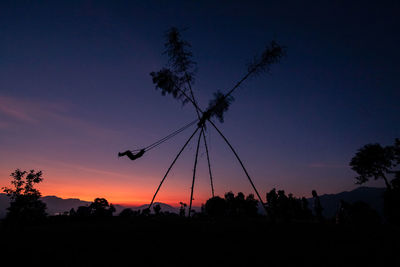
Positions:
{"x": 178, "y": 81}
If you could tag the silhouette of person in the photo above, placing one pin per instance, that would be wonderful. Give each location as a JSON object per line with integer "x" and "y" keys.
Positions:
{"x": 130, "y": 155}
{"x": 317, "y": 206}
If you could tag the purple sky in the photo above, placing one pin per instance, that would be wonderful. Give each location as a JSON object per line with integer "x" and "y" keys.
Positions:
{"x": 75, "y": 89}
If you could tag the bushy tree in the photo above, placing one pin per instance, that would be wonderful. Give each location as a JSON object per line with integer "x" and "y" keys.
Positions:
{"x": 25, "y": 205}
{"x": 157, "y": 209}
{"x": 182, "y": 209}
{"x": 83, "y": 211}
{"x": 127, "y": 213}
{"x": 232, "y": 206}
{"x": 98, "y": 208}
{"x": 177, "y": 77}
{"x": 101, "y": 208}
{"x": 215, "y": 207}
{"x": 282, "y": 208}
{"x": 374, "y": 161}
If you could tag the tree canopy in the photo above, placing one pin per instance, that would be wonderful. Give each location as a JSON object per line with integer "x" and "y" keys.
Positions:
{"x": 374, "y": 161}
{"x": 25, "y": 205}
{"x": 232, "y": 206}
{"x": 177, "y": 77}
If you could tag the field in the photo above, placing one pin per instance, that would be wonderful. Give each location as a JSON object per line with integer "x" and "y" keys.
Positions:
{"x": 175, "y": 241}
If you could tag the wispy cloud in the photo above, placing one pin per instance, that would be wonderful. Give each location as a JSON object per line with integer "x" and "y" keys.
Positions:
{"x": 326, "y": 165}
{"x": 81, "y": 168}
{"x": 15, "y": 109}
{"x": 24, "y": 111}
{"x": 29, "y": 111}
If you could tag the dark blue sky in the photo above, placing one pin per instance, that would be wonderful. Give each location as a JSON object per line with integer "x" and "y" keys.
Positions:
{"x": 75, "y": 89}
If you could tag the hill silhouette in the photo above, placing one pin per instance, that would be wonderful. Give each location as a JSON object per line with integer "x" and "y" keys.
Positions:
{"x": 164, "y": 207}
{"x": 57, "y": 205}
{"x": 371, "y": 195}
{"x": 330, "y": 202}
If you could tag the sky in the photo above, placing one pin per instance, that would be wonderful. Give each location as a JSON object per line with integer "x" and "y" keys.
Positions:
{"x": 75, "y": 90}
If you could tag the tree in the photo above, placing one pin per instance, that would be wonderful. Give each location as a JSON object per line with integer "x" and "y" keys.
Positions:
{"x": 215, "y": 207}
{"x": 83, "y": 211}
{"x": 127, "y": 213}
{"x": 72, "y": 212}
{"x": 145, "y": 212}
{"x": 250, "y": 206}
{"x": 101, "y": 208}
{"x": 378, "y": 162}
{"x": 272, "y": 204}
{"x": 182, "y": 209}
{"x": 284, "y": 208}
{"x": 232, "y": 206}
{"x": 374, "y": 161}
{"x": 25, "y": 205}
{"x": 157, "y": 209}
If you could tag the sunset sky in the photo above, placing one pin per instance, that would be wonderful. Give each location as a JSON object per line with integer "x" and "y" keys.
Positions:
{"x": 75, "y": 90}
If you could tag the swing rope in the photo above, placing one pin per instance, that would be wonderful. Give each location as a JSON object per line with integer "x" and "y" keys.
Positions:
{"x": 166, "y": 138}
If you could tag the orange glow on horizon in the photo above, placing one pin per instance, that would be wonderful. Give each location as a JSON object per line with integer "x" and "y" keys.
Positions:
{"x": 133, "y": 192}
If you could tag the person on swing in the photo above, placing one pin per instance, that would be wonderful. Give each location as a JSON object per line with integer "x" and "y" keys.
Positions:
{"x": 130, "y": 155}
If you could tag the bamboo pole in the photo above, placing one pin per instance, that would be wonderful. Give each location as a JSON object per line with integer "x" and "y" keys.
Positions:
{"x": 194, "y": 172}
{"x": 172, "y": 164}
{"x": 209, "y": 165}
{"x": 241, "y": 163}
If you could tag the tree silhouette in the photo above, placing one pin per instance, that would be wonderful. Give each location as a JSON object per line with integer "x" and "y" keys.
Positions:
{"x": 378, "y": 162}
{"x": 83, "y": 211}
{"x": 272, "y": 204}
{"x": 25, "y": 205}
{"x": 145, "y": 212}
{"x": 182, "y": 209}
{"x": 282, "y": 208}
{"x": 250, "y": 206}
{"x": 101, "y": 208}
{"x": 127, "y": 213}
{"x": 215, "y": 207}
{"x": 375, "y": 161}
{"x": 232, "y": 206}
{"x": 72, "y": 212}
{"x": 157, "y": 209}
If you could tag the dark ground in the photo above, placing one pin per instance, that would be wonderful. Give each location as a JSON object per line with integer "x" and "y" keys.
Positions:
{"x": 163, "y": 241}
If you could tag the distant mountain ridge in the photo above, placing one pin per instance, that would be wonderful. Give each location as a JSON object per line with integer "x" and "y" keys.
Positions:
{"x": 373, "y": 196}
{"x": 164, "y": 207}
{"x": 57, "y": 205}
{"x": 54, "y": 204}
{"x": 370, "y": 195}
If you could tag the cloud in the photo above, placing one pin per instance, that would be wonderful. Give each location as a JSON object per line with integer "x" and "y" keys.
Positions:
{"x": 23, "y": 111}
{"x": 15, "y": 109}
{"x": 78, "y": 167}
{"x": 326, "y": 165}
{"x": 29, "y": 111}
